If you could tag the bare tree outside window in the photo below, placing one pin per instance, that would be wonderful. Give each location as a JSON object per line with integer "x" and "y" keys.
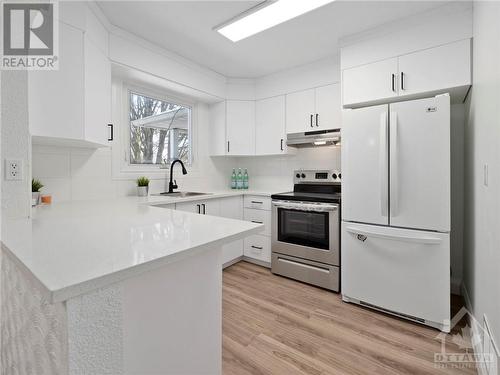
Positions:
{"x": 159, "y": 131}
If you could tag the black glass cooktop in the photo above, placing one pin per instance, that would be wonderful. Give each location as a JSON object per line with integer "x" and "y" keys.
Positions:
{"x": 308, "y": 197}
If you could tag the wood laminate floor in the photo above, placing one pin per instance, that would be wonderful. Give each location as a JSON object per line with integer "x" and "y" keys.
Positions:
{"x": 274, "y": 325}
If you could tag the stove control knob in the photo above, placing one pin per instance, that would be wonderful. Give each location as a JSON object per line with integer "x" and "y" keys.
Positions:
{"x": 303, "y": 175}
{"x": 340, "y": 175}
{"x": 297, "y": 175}
{"x": 334, "y": 176}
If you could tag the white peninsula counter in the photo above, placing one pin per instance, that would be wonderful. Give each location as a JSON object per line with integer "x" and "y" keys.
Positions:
{"x": 113, "y": 287}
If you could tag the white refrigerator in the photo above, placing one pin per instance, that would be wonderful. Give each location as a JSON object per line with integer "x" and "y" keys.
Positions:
{"x": 396, "y": 209}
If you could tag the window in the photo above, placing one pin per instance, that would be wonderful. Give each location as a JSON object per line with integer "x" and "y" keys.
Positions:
{"x": 159, "y": 131}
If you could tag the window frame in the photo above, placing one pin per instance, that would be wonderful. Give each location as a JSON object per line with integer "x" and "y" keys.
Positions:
{"x": 167, "y": 99}
{"x": 122, "y": 169}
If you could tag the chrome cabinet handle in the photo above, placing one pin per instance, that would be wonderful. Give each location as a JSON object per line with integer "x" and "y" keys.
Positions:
{"x": 281, "y": 144}
{"x": 311, "y": 121}
{"x": 257, "y": 202}
{"x": 199, "y": 208}
{"x": 204, "y": 208}
{"x": 317, "y": 119}
{"x": 402, "y": 81}
{"x": 393, "y": 82}
{"x": 227, "y": 146}
{"x": 257, "y": 222}
{"x": 256, "y": 247}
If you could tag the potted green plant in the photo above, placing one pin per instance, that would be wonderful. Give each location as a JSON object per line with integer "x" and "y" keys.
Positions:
{"x": 142, "y": 186}
{"x": 36, "y": 186}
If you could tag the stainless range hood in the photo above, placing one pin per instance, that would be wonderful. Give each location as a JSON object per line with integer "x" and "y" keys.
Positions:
{"x": 314, "y": 138}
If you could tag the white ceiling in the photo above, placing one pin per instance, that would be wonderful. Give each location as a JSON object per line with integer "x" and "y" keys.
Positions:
{"x": 186, "y": 28}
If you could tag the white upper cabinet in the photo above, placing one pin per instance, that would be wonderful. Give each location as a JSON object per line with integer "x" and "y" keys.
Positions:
{"x": 240, "y": 127}
{"x": 300, "y": 108}
{"x": 56, "y": 98}
{"x": 432, "y": 69}
{"x": 370, "y": 82}
{"x": 97, "y": 94}
{"x": 328, "y": 107}
{"x": 314, "y": 109}
{"x": 270, "y": 131}
{"x": 446, "y": 68}
{"x": 218, "y": 143}
{"x": 72, "y": 105}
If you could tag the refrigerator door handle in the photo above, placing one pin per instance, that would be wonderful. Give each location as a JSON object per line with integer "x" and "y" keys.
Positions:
{"x": 425, "y": 238}
{"x": 394, "y": 196}
{"x": 383, "y": 165}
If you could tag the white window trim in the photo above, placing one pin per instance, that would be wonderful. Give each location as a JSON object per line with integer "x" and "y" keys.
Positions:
{"x": 121, "y": 146}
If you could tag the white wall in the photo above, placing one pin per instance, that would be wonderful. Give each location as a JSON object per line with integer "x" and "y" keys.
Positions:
{"x": 482, "y": 145}
{"x": 16, "y": 201}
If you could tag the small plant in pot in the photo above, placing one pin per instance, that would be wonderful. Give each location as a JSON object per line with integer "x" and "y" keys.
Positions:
{"x": 142, "y": 186}
{"x": 36, "y": 186}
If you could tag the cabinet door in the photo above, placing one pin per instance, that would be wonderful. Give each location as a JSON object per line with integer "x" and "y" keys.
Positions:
{"x": 270, "y": 135}
{"x": 328, "y": 107}
{"x": 210, "y": 207}
{"x": 232, "y": 208}
{"x": 435, "y": 68}
{"x": 218, "y": 129}
{"x": 371, "y": 82}
{"x": 97, "y": 94}
{"x": 300, "y": 109}
{"x": 240, "y": 127}
{"x": 56, "y": 98}
{"x": 194, "y": 207}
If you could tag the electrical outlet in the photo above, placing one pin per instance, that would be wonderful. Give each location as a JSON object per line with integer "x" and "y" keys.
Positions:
{"x": 13, "y": 169}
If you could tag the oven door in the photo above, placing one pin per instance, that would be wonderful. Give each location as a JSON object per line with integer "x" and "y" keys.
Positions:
{"x": 306, "y": 230}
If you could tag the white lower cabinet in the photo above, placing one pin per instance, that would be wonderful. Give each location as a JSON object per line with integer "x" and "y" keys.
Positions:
{"x": 253, "y": 208}
{"x": 232, "y": 208}
{"x": 258, "y": 247}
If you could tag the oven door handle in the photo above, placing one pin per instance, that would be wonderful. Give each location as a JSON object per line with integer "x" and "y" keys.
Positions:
{"x": 306, "y": 206}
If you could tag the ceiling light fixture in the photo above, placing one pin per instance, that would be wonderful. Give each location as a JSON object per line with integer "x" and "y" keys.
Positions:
{"x": 263, "y": 17}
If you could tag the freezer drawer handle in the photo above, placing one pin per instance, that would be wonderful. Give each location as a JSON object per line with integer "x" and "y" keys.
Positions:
{"x": 363, "y": 232}
{"x": 325, "y": 270}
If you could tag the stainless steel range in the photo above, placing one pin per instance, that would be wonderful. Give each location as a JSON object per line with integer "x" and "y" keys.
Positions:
{"x": 306, "y": 229}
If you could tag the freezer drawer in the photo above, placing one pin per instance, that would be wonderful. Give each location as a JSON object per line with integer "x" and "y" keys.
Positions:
{"x": 401, "y": 271}
{"x": 319, "y": 274}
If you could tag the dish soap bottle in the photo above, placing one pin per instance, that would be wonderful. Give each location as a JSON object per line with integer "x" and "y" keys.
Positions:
{"x": 233, "y": 179}
{"x": 245, "y": 179}
{"x": 239, "y": 180}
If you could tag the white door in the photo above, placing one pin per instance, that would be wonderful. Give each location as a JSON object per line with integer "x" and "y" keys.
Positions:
{"x": 240, "y": 127}
{"x": 218, "y": 142}
{"x": 300, "y": 110}
{"x": 97, "y": 93}
{"x": 401, "y": 270}
{"x": 435, "y": 68}
{"x": 420, "y": 164}
{"x": 371, "y": 82}
{"x": 270, "y": 134}
{"x": 232, "y": 208}
{"x": 328, "y": 107}
{"x": 365, "y": 165}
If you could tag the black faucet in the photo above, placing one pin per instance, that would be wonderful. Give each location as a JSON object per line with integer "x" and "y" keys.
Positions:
{"x": 173, "y": 185}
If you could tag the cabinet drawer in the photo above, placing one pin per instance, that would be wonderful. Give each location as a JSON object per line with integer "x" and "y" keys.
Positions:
{"x": 258, "y": 247}
{"x": 258, "y": 202}
{"x": 259, "y": 217}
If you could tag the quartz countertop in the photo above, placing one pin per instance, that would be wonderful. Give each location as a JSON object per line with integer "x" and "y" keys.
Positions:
{"x": 76, "y": 247}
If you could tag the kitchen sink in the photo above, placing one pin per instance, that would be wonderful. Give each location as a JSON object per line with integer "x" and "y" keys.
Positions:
{"x": 182, "y": 194}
